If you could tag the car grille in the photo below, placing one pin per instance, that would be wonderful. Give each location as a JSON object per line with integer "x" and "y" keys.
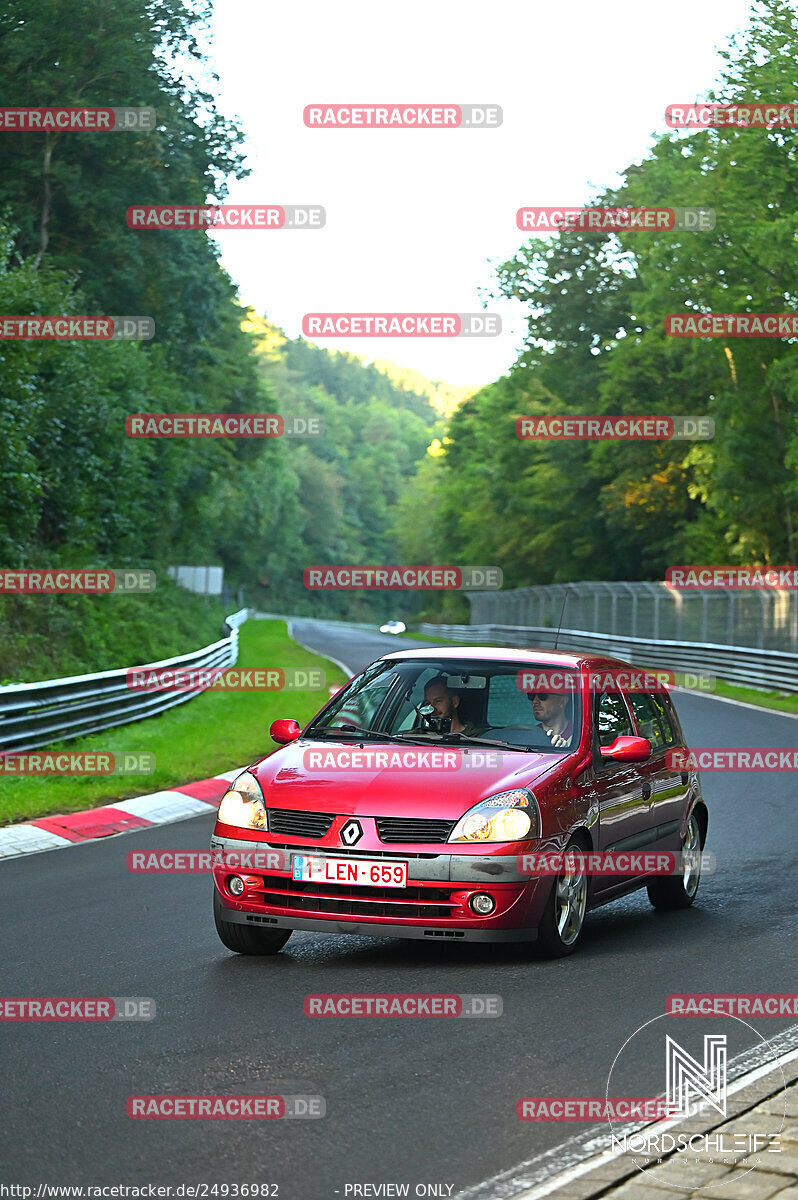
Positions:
{"x": 422, "y": 903}
{"x": 299, "y": 824}
{"x": 413, "y": 829}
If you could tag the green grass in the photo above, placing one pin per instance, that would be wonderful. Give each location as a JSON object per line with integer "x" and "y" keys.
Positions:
{"x": 777, "y": 701}
{"x": 203, "y": 737}
{"x": 780, "y": 701}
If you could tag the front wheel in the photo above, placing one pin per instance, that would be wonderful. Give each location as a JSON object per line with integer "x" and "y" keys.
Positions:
{"x": 679, "y": 891}
{"x": 245, "y": 939}
{"x": 564, "y": 915}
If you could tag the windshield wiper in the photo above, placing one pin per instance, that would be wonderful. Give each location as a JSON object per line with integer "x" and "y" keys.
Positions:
{"x": 355, "y": 731}
{"x": 459, "y": 738}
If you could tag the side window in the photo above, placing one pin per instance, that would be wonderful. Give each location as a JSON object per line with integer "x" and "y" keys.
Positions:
{"x": 653, "y": 719}
{"x": 371, "y": 698}
{"x": 360, "y": 706}
{"x": 612, "y": 718}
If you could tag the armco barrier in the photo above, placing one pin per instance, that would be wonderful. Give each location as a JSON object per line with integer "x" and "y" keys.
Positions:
{"x": 38, "y": 714}
{"x": 773, "y": 669}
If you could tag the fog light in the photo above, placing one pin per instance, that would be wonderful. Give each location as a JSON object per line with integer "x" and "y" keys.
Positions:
{"x": 235, "y": 884}
{"x": 482, "y": 904}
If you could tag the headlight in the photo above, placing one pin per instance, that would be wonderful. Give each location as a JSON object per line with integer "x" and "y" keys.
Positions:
{"x": 242, "y": 804}
{"x": 506, "y": 817}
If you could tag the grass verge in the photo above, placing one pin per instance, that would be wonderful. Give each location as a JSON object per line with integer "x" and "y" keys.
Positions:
{"x": 214, "y": 733}
{"x": 779, "y": 701}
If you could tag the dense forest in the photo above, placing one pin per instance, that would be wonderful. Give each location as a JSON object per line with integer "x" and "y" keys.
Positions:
{"x": 77, "y": 491}
{"x": 552, "y": 512}
{"x": 408, "y": 470}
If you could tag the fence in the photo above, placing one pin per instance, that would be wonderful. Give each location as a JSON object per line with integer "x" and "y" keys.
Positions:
{"x": 38, "y": 714}
{"x": 772, "y": 669}
{"x": 765, "y": 619}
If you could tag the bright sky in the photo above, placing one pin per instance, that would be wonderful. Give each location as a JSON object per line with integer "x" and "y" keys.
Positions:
{"x": 415, "y": 218}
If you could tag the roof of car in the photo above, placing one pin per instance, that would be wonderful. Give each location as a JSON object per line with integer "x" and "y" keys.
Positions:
{"x": 509, "y": 654}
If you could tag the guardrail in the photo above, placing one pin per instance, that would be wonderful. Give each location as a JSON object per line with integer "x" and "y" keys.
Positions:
{"x": 772, "y": 669}
{"x": 38, "y": 714}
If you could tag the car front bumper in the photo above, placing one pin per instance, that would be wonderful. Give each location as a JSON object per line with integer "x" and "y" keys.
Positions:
{"x": 434, "y": 905}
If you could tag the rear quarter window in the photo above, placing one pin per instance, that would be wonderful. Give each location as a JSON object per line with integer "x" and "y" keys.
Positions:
{"x": 653, "y": 719}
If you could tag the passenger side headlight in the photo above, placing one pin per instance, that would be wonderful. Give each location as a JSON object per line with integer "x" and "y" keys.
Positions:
{"x": 506, "y": 817}
{"x": 242, "y": 804}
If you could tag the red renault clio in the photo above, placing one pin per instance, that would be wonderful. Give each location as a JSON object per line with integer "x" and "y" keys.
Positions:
{"x": 422, "y": 799}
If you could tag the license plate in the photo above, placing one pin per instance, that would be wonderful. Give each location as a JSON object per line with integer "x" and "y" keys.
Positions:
{"x": 362, "y": 872}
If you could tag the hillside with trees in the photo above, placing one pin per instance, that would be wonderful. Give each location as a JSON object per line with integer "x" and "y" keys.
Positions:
{"x": 556, "y": 511}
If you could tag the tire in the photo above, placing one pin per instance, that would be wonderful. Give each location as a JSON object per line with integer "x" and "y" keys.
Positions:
{"x": 679, "y": 891}
{"x": 563, "y": 918}
{"x": 245, "y": 939}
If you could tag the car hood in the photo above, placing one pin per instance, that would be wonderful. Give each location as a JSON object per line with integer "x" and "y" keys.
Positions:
{"x": 290, "y": 780}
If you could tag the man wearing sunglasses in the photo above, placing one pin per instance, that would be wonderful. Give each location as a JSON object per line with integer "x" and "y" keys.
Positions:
{"x": 551, "y": 711}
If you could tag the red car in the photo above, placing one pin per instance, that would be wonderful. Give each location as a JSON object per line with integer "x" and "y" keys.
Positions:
{"x": 422, "y": 799}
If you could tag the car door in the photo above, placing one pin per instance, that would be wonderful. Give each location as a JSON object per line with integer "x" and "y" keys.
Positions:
{"x": 668, "y": 787}
{"x": 618, "y": 792}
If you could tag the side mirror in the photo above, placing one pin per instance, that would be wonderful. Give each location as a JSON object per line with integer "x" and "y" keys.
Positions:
{"x": 627, "y": 749}
{"x": 285, "y": 730}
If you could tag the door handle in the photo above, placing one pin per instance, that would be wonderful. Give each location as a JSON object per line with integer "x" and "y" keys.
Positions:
{"x": 646, "y": 793}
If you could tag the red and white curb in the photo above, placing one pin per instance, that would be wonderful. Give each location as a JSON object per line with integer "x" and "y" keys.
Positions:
{"x": 75, "y": 828}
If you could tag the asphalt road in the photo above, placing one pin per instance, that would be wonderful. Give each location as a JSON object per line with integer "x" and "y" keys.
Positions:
{"x": 408, "y": 1101}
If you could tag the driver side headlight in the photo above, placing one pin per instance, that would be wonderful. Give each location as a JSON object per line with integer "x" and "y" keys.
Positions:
{"x": 242, "y": 804}
{"x": 506, "y": 817}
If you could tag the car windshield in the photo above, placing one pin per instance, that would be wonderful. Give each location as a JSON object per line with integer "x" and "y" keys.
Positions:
{"x": 450, "y": 701}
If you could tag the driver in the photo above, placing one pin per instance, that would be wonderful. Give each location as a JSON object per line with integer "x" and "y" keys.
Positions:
{"x": 550, "y": 710}
{"x": 446, "y": 703}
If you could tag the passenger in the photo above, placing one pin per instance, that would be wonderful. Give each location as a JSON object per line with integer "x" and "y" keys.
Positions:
{"x": 551, "y": 711}
{"x": 446, "y": 703}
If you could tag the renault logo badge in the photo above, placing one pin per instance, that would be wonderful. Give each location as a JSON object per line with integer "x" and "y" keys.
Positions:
{"x": 351, "y": 832}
